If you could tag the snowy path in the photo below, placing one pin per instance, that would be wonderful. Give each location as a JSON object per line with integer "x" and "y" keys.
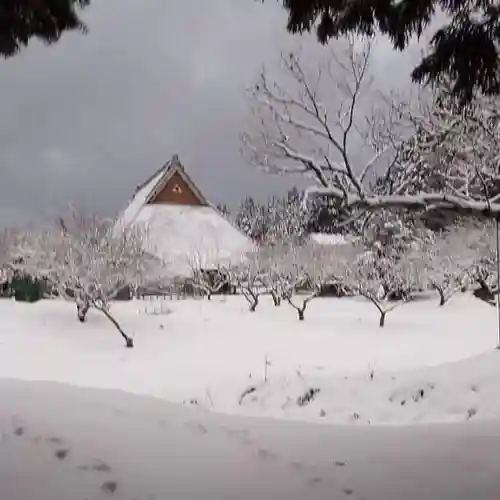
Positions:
{"x": 63, "y": 443}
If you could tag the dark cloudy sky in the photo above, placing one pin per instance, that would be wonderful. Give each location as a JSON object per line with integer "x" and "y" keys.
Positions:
{"x": 86, "y": 120}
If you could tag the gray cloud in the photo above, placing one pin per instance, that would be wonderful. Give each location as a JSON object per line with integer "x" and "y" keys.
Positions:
{"x": 86, "y": 120}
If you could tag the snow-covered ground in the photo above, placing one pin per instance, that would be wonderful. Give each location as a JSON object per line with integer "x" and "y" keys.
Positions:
{"x": 429, "y": 363}
{"x": 59, "y": 442}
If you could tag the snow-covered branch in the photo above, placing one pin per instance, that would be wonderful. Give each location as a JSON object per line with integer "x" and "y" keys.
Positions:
{"x": 248, "y": 276}
{"x": 309, "y": 269}
{"x": 85, "y": 259}
{"x": 314, "y": 122}
{"x": 439, "y": 158}
{"x": 210, "y": 281}
{"x": 386, "y": 278}
{"x": 446, "y": 260}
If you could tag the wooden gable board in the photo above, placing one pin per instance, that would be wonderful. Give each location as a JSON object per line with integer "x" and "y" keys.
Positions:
{"x": 176, "y": 190}
{"x": 176, "y": 187}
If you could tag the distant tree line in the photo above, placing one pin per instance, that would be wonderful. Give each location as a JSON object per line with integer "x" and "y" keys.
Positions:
{"x": 286, "y": 216}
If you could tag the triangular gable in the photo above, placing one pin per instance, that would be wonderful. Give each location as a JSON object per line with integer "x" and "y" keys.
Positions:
{"x": 176, "y": 187}
{"x": 148, "y": 190}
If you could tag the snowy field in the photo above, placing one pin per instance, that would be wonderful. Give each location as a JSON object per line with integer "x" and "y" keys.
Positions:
{"x": 429, "y": 363}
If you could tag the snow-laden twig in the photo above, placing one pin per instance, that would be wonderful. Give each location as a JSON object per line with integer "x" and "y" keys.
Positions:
{"x": 308, "y": 269}
{"x": 302, "y": 127}
{"x": 437, "y": 158}
{"x": 83, "y": 258}
{"x": 386, "y": 279}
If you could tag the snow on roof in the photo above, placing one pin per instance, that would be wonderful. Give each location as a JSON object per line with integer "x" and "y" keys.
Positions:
{"x": 184, "y": 236}
{"x": 140, "y": 198}
{"x": 187, "y": 236}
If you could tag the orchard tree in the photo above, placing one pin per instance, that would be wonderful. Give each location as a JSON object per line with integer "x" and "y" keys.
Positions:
{"x": 248, "y": 276}
{"x": 464, "y": 48}
{"x": 210, "y": 269}
{"x": 308, "y": 269}
{"x": 381, "y": 278}
{"x": 210, "y": 281}
{"x": 449, "y": 259}
{"x": 273, "y": 277}
{"x": 86, "y": 260}
{"x": 390, "y": 236}
{"x": 480, "y": 238}
{"x": 46, "y": 20}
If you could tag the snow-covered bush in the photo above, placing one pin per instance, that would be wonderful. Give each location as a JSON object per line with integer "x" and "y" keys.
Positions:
{"x": 87, "y": 260}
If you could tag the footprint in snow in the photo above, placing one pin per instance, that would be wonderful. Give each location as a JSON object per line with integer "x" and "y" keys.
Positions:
{"x": 61, "y": 454}
{"x": 109, "y": 487}
{"x": 19, "y": 430}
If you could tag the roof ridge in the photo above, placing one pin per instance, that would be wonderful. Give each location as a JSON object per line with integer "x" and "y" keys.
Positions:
{"x": 165, "y": 167}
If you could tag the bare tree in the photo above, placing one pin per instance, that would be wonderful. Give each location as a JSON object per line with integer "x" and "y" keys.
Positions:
{"x": 377, "y": 277}
{"x": 302, "y": 127}
{"x": 84, "y": 259}
{"x": 210, "y": 281}
{"x": 448, "y": 260}
{"x": 480, "y": 239}
{"x": 308, "y": 269}
{"x": 249, "y": 278}
{"x": 439, "y": 157}
{"x": 272, "y": 258}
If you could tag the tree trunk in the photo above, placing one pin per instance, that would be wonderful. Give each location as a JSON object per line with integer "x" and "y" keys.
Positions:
{"x": 442, "y": 299}
{"x": 382, "y": 319}
{"x": 383, "y": 313}
{"x": 276, "y": 299}
{"x": 301, "y": 311}
{"x": 129, "y": 342}
{"x": 82, "y": 308}
{"x": 254, "y": 304}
